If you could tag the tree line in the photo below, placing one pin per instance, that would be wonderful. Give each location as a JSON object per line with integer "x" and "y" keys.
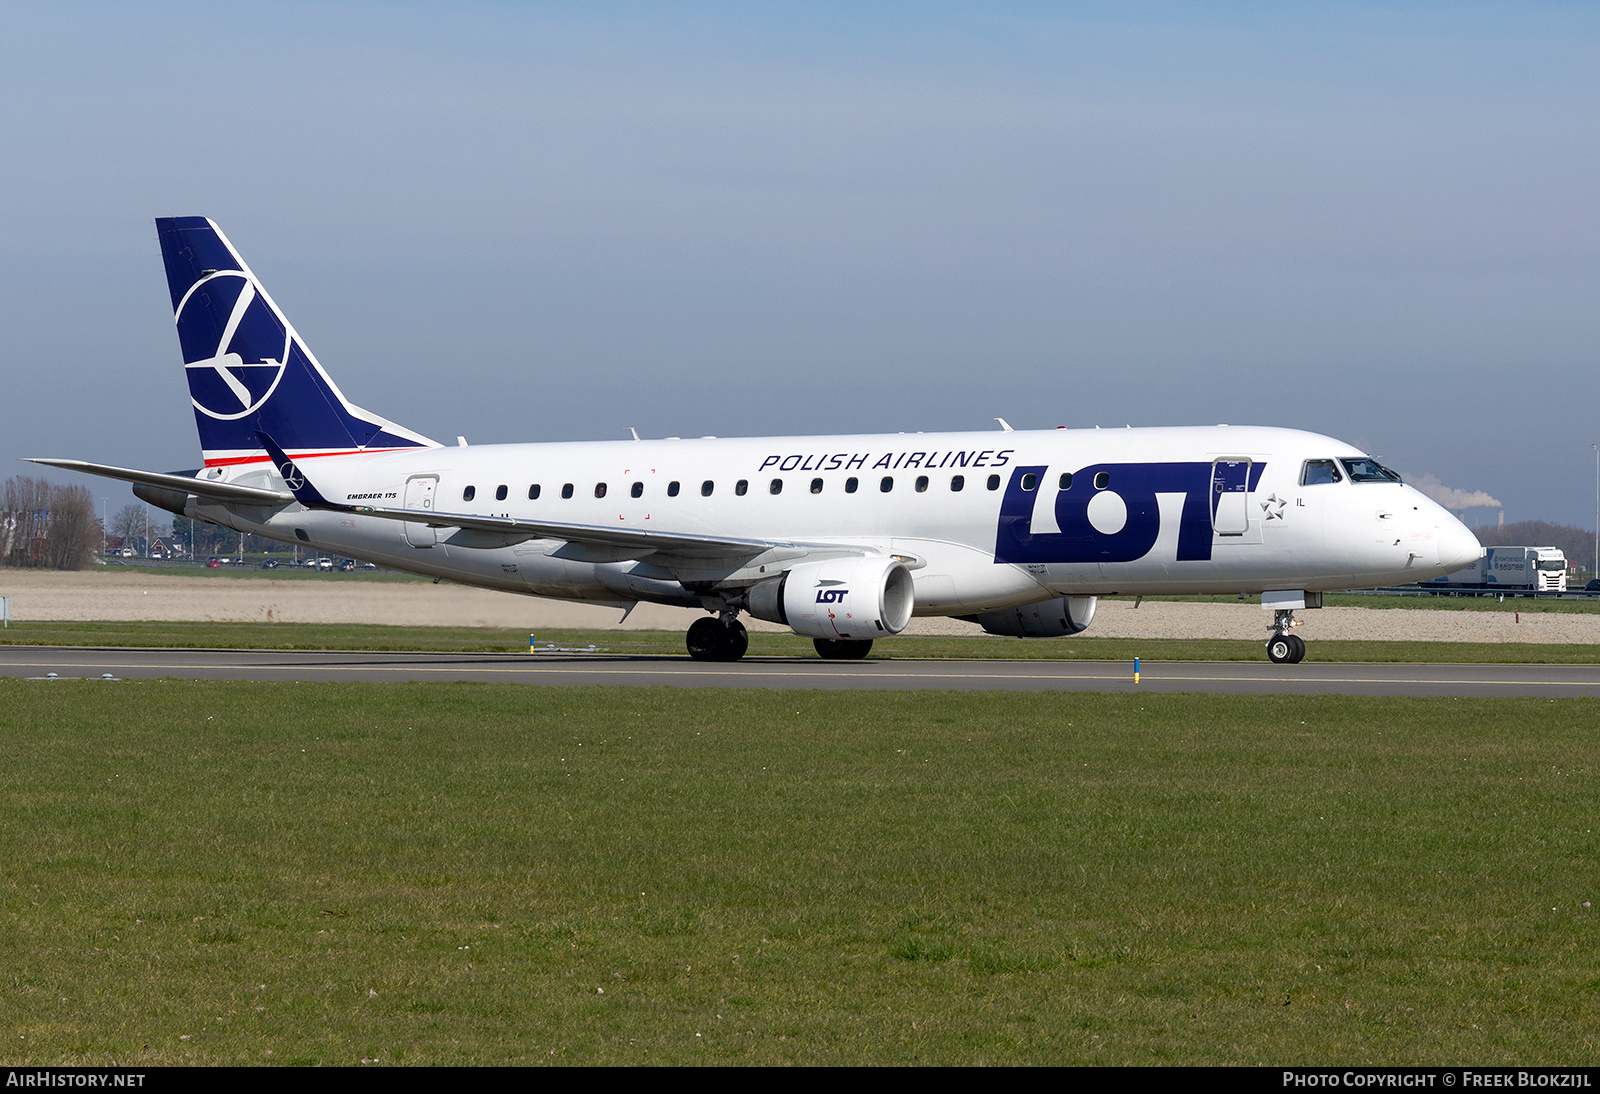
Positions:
{"x": 48, "y": 526}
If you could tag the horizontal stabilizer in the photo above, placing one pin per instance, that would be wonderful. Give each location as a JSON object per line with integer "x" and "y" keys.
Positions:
{"x": 221, "y": 491}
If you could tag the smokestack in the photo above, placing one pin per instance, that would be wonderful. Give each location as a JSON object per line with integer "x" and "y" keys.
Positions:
{"x": 1502, "y": 518}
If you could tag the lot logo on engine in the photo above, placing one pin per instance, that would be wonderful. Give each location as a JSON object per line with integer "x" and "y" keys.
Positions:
{"x": 831, "y": 595}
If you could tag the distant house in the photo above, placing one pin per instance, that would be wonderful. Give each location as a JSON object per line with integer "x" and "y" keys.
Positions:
{"x": 134, "y": 547}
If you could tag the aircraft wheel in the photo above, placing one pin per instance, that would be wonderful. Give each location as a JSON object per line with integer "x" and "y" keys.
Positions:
{"x": 842, "y": 649}
{"x": 1299, "y": 649}
{"x": 1280, "y": 649}
{"x": 707, "y": 639}
{"x": 738, "y": 641}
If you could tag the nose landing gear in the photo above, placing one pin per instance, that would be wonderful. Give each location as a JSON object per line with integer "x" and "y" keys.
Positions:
{"x": 1284, "y": 648}
{"x": 717, "y": 639}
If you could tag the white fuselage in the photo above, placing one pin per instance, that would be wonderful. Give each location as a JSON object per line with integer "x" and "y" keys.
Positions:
{"x": 1164, "y": 510}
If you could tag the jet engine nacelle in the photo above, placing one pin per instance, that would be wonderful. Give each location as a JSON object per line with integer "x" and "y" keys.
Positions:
{"x": 1047, "y": 619}
{"x": 850, "y": 598}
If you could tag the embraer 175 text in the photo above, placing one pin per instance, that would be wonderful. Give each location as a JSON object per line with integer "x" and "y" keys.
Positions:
{"x": 841, "y": 539}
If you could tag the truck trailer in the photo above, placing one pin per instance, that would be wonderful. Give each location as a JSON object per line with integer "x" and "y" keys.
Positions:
{"x": 1509, "y": 570}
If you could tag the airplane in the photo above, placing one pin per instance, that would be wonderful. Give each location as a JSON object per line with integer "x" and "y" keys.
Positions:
{"x": 842, "y": 539}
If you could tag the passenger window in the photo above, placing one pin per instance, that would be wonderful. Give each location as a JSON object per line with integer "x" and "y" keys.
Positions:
{"x": 1319, "y": 473}
{"x": 599, "y": 489}
{"x": 1102, "y": 479}
{"x": 957, "y": 482}
{"x": 922, "y": 484}
{"x": 706, "y": 488}
{"x": 994, "y": 482}
{"x": 1066, "y": 480}
{"x": 637, "y": 490}
{"x": 886, "y": 484}
{"x": 1030, "y": 481}
{"x": 469, "y": 493}
{"x": 500, "y": 493}
{"x": 533, "y": 492}
{"x": 742, "y": 487}
{"x": 566, "y": 490}
{"x": 850, "y": 485}
{"x": 672, "y": 489}
{"x": 816, "y": 486}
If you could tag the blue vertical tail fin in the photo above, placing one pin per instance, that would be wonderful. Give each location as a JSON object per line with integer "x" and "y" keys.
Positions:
{"x": 249, "y": 372}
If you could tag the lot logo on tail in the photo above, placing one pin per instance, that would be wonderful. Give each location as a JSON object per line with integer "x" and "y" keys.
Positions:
{"x": 233, "y": 346}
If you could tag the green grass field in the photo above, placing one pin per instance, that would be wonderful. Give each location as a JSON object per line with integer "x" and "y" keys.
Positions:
{"x": 312, "y": 636}
{"x": 260, "y": 873}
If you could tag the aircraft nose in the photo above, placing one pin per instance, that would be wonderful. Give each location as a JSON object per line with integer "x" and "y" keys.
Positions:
{"x": 1458, "y": 547}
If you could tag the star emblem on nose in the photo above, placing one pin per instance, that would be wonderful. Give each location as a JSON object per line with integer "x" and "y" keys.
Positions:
{"x": 1273, "y": 507}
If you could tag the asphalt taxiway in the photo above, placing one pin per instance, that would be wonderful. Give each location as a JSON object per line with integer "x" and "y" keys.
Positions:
{"x": 1214, "y": 677}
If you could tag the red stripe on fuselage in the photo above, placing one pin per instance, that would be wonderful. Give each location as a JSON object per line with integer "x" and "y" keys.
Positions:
{"x": 234, "y": 461}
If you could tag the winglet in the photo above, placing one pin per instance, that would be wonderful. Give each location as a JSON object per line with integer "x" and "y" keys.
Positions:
{"x": 294, "y": 478}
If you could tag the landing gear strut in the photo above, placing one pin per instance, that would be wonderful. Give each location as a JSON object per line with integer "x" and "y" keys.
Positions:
{"x": 1284, "y": 648}
{"x": 717, "y": 639}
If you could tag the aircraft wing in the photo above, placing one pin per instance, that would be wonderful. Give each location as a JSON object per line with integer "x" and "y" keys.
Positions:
{"x": 674, "y": 543}
{"x": 221, "y": 491}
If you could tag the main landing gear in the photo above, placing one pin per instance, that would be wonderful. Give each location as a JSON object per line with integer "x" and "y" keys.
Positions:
{"x": 719, "y": 638}
{"x": 842, "y": 649}
{"x": 1284, "y": 648}
{"x": 723, "y": 638}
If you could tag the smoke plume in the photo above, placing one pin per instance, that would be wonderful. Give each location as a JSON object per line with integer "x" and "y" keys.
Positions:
{"x": 1451, "y": 498}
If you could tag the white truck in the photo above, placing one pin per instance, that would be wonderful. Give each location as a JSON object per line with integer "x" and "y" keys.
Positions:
{"x": 1512, "y": 570}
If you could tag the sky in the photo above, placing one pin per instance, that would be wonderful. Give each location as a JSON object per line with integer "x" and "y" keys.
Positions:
{"x": 521, "y": 222}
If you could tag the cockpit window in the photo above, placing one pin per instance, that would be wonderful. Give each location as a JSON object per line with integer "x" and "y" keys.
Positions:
{"x": 1318, "y": 472}
{"x": 1365, "y": 469}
